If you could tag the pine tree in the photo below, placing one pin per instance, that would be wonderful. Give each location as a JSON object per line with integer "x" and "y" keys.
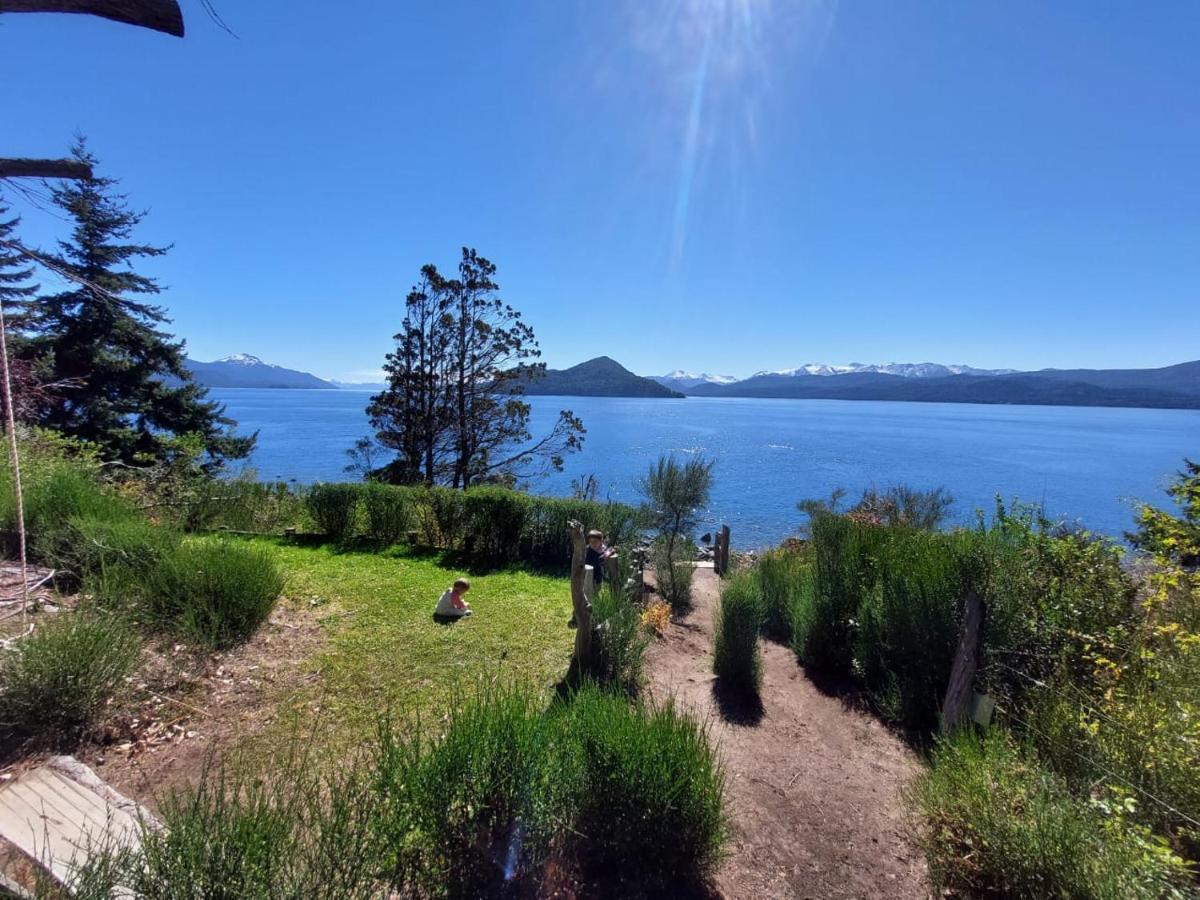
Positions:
{"x": 127, "y": 388}
{"x": 16, "y": 291}
{"x": 15, "y": 270}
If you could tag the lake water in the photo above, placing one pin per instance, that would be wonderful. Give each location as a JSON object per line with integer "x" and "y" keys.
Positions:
{"x": 1085, "y": 465}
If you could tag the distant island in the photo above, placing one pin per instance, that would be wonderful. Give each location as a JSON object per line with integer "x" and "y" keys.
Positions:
{"x": 599, "y": 377}
{"x": 1169, "y": 387}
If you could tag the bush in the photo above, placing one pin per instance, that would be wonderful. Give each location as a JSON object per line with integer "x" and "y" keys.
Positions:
{"x": 389, "y": 512}
{"x": 441, "y": 516}
{"x": 90, "y": 548}
{"x": 245, "y": 830}
{"x": 623, "y": 640}
{"x": 737, "y": 660}
{"x": 334, "y": 509}
{"x": 783, "y": 575}
{"x": 908, "y": 625}
{"x": 547, "y": 535}
{"x": 844, "y": 570}
{"x": 241, "y": 504}
{"x": 217, "y": 592}
{"x": 673, "y": 571}
{"x": 493, "y": 523}
{"x": 648, "y": 793}
{"x": 449, "y": 807}
{"x": 996, "y": 824}
{"x": 60, "y": 676}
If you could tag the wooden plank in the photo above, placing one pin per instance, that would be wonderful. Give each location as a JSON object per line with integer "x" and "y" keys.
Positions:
{"x": 956, "y": 706}
{"x": 56, "y": 819}
{"x": 45, "y": 168}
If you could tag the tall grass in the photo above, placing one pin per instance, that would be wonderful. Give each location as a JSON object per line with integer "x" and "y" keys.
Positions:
{"x": 844, "y": 571}
{"x": 623, "y": 639}
{"x": 626, "y": 797}
{"x": 784, "y": 578}
{"x": 216, "y": 592}
{"x": 737, "y": 659}
{"x": 58, "y": 679}
{"x": 997, "y": 824}
{"x": 647, "y": 800}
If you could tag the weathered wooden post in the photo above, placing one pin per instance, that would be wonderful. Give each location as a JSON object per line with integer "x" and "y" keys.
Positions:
{"x": 956, "y": 706}
{"x": 721, "y": 551}
{"x": 581, "y": 661}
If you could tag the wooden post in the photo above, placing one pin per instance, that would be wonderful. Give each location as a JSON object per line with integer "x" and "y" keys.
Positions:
{"x": 612, "y": 571}
{"x": 721, "y": 551}
{"x": 956, "y": 706}
{"x": 581, "y": 662}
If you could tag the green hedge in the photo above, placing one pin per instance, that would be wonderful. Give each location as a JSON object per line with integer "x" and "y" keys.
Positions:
{"x": 488, "y": 524}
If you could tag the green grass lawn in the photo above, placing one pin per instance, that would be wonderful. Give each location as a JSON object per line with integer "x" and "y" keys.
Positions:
{"x": 384, "y": 650}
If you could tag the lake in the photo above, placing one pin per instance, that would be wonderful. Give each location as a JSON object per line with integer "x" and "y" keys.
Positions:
{"x": 1084, "y": 465}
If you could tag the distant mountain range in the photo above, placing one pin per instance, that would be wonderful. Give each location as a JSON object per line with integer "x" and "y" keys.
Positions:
{"x": 1175, "y": 386}
{"x": 1168, "y": 387}
{"x": 599, "y": 377}
{"x": 245, "y": 371}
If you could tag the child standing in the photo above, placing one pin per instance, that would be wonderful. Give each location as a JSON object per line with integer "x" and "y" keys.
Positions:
{"x": 451, "y": 604}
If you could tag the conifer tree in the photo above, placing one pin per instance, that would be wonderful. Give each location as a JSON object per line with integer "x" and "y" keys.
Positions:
{"x": 16, "y": 291}
{"x": 129, "y": 390}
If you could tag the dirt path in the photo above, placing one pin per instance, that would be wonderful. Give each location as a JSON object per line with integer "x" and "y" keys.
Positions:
{"x": 813, "y": 783}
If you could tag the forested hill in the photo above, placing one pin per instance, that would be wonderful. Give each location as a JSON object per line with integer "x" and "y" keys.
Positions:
{"x": 599, "y": 377}
{"x": 1175, "y": 387}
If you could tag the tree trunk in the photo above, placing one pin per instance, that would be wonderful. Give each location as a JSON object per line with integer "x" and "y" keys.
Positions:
{"x": 581, "y": 662}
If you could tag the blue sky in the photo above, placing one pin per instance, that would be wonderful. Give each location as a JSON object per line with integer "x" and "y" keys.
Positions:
{"x": 720, "y": 185}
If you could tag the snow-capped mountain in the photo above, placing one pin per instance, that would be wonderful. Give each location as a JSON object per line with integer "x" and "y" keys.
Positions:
{"x": 244, "y": 370}
{"x": 904, "y": 370}
{"x": 680, "y": 380}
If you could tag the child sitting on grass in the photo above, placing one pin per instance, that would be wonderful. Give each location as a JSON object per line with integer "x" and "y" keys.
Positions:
{"x": 452, "y": 605}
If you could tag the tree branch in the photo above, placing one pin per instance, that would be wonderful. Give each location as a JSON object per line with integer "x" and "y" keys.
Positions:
{"x": 43, "y": 168}
{"x": 157, "y": 15}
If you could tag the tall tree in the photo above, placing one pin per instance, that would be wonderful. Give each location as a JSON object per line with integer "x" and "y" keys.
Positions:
{"x": 16, "y": 292}
{"x": 130, "y": 391}
{"x": 453, "y": 409}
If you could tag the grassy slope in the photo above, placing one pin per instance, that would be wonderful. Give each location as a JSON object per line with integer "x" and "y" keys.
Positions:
{"x": 385, "y": 648}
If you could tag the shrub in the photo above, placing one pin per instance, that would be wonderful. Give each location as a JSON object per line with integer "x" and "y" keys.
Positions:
{"x": 389, "y": 512}
{"x": 623, "y": 640}
{"x": 241, "y": 504}
{"x": 908, "y": 625}
{"x": 547, "y": 536}
{"x": 91, "y": 547}
{"x": 441, "y": 517}
{"x": 996, "y": 824}
{"x": 244, "y": 830}
{"x": 334, "y": 509}
{"x": 648, "y": 792}
{"x": 493, "y": 523}
{"x": 217, "y": 592}
{"x": 674, "y": 570}
{"x": 60, "y": 677}
{"x": 737, "y": 660}
{"x": 844, "y": 570}
{"x": 449, "y": 807}
{"x": 783, "y": 576}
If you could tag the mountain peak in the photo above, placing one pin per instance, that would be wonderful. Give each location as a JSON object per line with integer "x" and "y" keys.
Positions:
{"x": 242, "y": 359}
